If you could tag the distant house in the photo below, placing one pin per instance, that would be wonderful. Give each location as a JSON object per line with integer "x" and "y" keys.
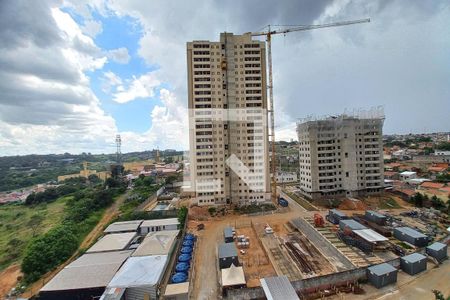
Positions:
{"x": 429, "y": 185}
{"x": 391, "y": 175}
{"x": 407, "y": 175}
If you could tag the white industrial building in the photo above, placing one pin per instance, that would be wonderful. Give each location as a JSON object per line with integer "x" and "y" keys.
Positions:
{"x": 159, "y": 225}
{"x": 287, "y": 177}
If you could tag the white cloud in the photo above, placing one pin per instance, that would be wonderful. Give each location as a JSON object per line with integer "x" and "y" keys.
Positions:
{"x": 141, "y": 87}
{"x": 119, "y": 55}
{"x": 92, "y": 28}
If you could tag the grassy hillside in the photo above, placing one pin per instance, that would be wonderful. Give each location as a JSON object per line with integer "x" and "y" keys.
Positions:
{"x": 19, "y": 223}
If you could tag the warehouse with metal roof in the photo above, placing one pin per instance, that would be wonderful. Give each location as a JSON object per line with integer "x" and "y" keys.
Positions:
{"x": 157, "y": 243}
{"x": 375, "y": 217}
{"x": 113, "y": 242}
{"x": 278, "y": 288}
{"x": 351, "y": 224}
{"x": 138, "y": 278}
{"x": 84, "y": 278}
{"x": 121, "y": 227}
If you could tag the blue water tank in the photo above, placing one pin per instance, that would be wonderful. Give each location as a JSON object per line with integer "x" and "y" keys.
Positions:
{"x": 186, "y": 249}
{"x": 179, "y": 277}
{"x": 184, "y": 257}
{"x": 188, "y": 243}
{"x": 189, "y": 237}
{"x": 182, "y": 267}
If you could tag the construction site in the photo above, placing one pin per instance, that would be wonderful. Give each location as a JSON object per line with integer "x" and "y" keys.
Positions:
{"x": 321, "y": 252}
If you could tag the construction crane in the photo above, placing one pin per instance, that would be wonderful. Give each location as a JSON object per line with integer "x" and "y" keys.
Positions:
{"x": 268, "y": 34}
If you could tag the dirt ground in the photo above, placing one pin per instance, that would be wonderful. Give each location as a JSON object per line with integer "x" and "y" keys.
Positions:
{"x": 205, "y": 280}
{"x": 255, "y": 261}
{"x": 8, "y": 279}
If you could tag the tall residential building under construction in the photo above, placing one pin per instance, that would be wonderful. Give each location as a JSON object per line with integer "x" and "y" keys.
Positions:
{"x": 228, "y": 129}
{"x": 342, "y": 155}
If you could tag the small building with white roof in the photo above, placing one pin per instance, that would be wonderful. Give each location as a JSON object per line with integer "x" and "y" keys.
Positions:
{"x": 125, "y": 226}
{"x": 159, "y": 225}
{"x": 157, "y": 243}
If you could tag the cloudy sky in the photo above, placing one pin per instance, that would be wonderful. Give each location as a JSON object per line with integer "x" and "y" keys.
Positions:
{"x": 73, "y": 74}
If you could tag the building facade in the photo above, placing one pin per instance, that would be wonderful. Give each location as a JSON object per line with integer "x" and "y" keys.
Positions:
{"x": 341, "y": 156}
{"x": 228, "y": 120}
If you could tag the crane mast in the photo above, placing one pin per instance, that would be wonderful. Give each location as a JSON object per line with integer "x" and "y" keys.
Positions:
{"x": 268, "y": 34}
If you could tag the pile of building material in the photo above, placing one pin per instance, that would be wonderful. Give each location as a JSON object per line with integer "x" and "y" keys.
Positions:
{"x": 243, "y": 241}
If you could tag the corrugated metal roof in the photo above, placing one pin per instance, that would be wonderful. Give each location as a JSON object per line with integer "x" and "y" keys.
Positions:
{"x": 382, "y": 269}
{"x": 411, "y": 232}
{"x": 227, "y": 250}
{"x": 112, "y": 242}
{"x": 157, "y": 243}
{"x": 88, "y": 271}
{"x": 377, "y": 214}
{"x": 228, "y": 232}
{"x": 436, "y": 246}
{"x": 278, "y": 288}
{"x": 414, "y": 257}
{"x": 140, "y": 271}
{"x": 352, "y": 224}
{"x": 160, "y": 222}
{"x": 123, "y": 226}
{"x": 370, "y": 235}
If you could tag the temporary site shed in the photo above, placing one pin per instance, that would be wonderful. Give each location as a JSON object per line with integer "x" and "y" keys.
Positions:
{"x": 411, "y": 236}
{"x": 113, "y": 242}
{"x": 413, "y": 263}
{"x": 438, "y": 251}
{"x": 382, "y": 275}
{"x": 278, "y": 288}
{"x": 228, "y": 235}
{"x": 228, "y": 255}
{"x": 84, "y": 278}
{"x": 375, "y": 217}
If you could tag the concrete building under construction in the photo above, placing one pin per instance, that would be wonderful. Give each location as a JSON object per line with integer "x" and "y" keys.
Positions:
{"x": 341, "y": 155}
{"x": 228, "y": 120}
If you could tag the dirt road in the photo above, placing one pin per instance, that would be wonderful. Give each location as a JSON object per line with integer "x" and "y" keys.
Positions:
{"x": 110, "y": 213}
{"x": 8, "y": 279}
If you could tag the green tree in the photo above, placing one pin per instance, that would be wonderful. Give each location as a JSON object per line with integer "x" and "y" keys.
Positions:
{"x": 34, "y": 223}
{"x": 48, "y": 251}
{"x": 418, "y": 200}
{"x": 182, "y": 214}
